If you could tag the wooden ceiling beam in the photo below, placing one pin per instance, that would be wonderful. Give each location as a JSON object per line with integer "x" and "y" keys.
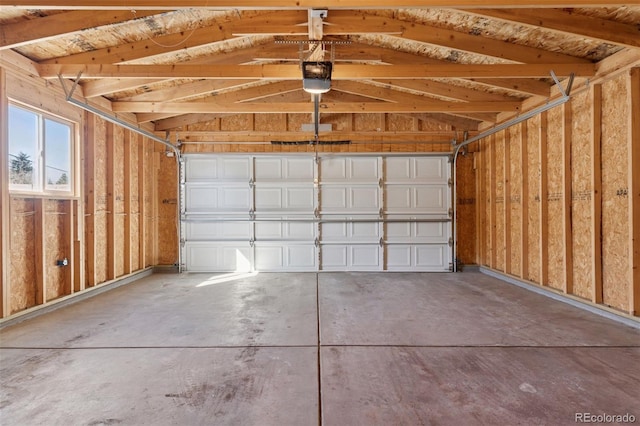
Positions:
{"x": 444, "y": 90}
{"x": 43, "y": 29}
{"x": 297, "y": 4}
{"x": 340, "y": 72}
{"x": 301, "y": 107}
{"x": 567, "y": 22}
{"x": 188, "y": 90}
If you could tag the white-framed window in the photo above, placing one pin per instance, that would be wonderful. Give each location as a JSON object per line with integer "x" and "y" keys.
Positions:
{"x": 40, "y": 152}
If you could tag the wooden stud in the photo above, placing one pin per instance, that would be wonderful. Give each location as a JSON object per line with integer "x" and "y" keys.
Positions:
{"x": 69, "y": 234}
{"x": 634, "y": 185}
{"x": 5, "y": 236}
{"x": 142, "y": 262}
{"x": 544, "y": 212}
{"x": 111, "y": 234}
{"x": 566, "y": 198}
{"x": 494, "y": 207}
{"x": 524, "y": 201}
{"x": 127, "y": 202}
{"x": 90, "y": 199}
{"x": 507, "y": 202}
{"x": 596, "y": 199}
{"x": 40, "y": 252}
{"x": 78, "y": 275}
{"x": 480, "y": 235}
{"x": 154, "y": 202}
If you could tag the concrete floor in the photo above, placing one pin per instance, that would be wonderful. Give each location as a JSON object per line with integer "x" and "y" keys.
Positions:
{"x": 394, "y": 349}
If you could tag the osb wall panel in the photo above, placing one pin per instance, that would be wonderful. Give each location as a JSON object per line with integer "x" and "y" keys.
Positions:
{"x": 554, "y": 198}
{"x": 149, "y": 173}
{"x": 401, "y": 123}
{"x": 167, "y": 228}
{"x": 533, "y": 183}
{"x": 489, "y": 183}
{"x": 515, "y": 204}
{"x": 582, "y": 192}
{"x": 237, "y": 122}
{"x": 466, "y": 209}
{"x": 499, "y": 203}
{"x": 22, "y": 255}
{"x": 57, "y": 247}
{"x": 354, "y": 147}
{"x": 295, "y": 121}
{"x": 101, "y": 194}
{"x": 270, "y": 122}
{"x": 134, "y": 195}
{"x": 615, "y": 202}
{"x": 368, "y": 122}
{"x": 118, "y": 197}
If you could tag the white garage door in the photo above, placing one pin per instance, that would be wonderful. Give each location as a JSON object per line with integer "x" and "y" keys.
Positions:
{"x": 293, "y": 213}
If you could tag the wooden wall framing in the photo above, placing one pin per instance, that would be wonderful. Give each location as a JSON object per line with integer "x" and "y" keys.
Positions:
{"x": 101, "y": 230}
{"x": 577, "y": 229}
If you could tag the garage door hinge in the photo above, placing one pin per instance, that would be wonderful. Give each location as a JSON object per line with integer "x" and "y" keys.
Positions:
{"x": 252, "y": 214}
{"x": 380, "y": 213}
{"x": 450, "y": 267}
{"x": 450, "y": 182}
{"x": 252, "y": 242}
{"x": 450, "y": 212}
{"x": 450, "y": 242}
{"x": 317, "y": 242}
{"x": 380, "y": 182}
{"x": 381, "y": 242}
{"x": 182, "y": 242}
{"x": 251, "y": 183}
{"x": 316, "y": 213}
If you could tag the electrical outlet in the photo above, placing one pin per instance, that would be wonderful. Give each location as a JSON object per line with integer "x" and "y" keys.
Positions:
{"x": 63, "y": 262}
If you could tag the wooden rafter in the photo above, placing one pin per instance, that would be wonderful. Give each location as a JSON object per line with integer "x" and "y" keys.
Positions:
{"x": 295, "y": 4}
{"x": 48, "y": 27}
{"x": 565, "y": 21}
{"x": 292, "y": 72}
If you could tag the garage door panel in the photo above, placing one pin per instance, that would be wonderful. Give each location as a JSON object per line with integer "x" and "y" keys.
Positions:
{"x": 350, "y": 199}
{"x": 201, "y": 169}
{"x": 340, "y": 169}
{"x": 431, "y": 169}
{"x": 416, "y": 199}
{"x": 285, "y": 257}
{"x": 301, "y": 169}
{"x": 342, "y": 231}
{"x": 430, "y": 199}
{"x": 346, "y": 257}
{"x": 274, "y": 198}
{"x": 231, "y": 198}
{"x": 228, "y": 230}
{"x": 208, "y": 257}
{"x": 285, "y": 230}
{"x": 235, "y": 168}
{"x": 201, "y": 198}
{"x": 417, "y": 257}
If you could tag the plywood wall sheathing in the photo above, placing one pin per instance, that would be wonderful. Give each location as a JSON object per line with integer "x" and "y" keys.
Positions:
{"x": 39, "y": 254}
{"x": 507, "y": 200}
{"x": 22, "y": 263}
{"x": 499, "y": 224}
{"x": 118, "y": 215}
{"x": 634, "y": 194}
{"x": 582, "y": 194}
{"x": 101, "y": 198}
{"x": 56, "y": 247}
{"x": 567, "y": 116}
{"x": 492, "y": 202}
{"x": 466, "y": 208}
{"x": 515, "y": 201}
{"x": 524, "y": 200}
{"x": 135, "y": 172}
{"x": 544, "y": 203}
{"x": 596, "y": 201}
{"x": 615, "y": 194}
{"x": 90, "y": 207}
{"x": 167, "y": 202}
{"x": 555, "y": 197}
{"x": 5, "y": 287}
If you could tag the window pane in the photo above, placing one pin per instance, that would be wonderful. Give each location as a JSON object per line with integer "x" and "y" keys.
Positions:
{"x": 57, "y": 154}
{"x": 23, "y": 149}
